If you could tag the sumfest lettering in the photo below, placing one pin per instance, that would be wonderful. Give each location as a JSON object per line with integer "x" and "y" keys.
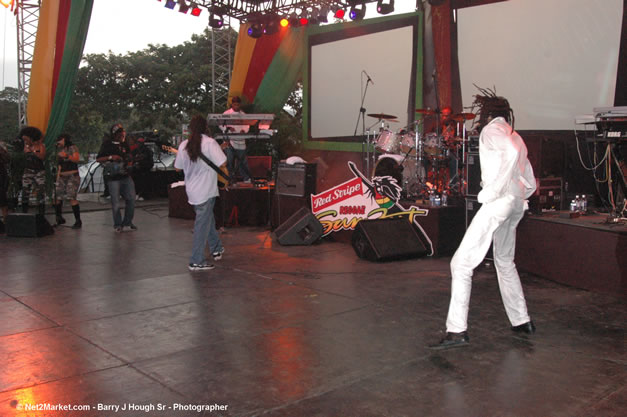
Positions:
{"x": 331, "y": 223}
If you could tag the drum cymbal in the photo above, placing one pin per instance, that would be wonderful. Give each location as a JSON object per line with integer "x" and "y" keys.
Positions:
{"x": 464, "y": 116}
{"x": 425, "y": 111}
{"x": 381, "y": 116}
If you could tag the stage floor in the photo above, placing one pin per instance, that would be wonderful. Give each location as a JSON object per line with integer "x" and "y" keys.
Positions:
{"x": 91, "y": 317}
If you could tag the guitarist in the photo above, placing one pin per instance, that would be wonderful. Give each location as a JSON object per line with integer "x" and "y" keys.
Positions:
{"x": 201, "y": 185}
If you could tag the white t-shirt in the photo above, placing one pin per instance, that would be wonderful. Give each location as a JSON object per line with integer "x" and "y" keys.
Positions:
{"x": 237, "y": 143}
{"x": 201, "y": 181}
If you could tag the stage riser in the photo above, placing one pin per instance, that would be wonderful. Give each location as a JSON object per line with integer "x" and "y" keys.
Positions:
{"x": 578, "y": 256}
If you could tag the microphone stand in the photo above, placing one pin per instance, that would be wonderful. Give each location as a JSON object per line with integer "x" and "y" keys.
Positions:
{"x": 362, "y": 115}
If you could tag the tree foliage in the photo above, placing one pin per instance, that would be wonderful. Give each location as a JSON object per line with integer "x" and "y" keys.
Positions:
{"x": 158, "y": 88}
{"x": 9, "y": 120}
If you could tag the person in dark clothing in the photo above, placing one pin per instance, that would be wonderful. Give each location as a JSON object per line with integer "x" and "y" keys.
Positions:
{"x": 115, "y": 155}
{"x": 142, "y": 164}
{"x": 68, "y": 179}
{"x": 34, "y": 178}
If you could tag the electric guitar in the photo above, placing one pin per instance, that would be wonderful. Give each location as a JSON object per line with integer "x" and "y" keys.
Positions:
{"x": 223, "y": 183}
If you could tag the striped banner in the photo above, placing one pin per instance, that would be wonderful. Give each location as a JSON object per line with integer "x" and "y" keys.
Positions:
{"x": 61, "y": 34}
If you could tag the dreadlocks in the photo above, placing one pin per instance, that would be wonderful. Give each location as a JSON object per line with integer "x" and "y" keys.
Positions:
{"x": 488, "y": 104}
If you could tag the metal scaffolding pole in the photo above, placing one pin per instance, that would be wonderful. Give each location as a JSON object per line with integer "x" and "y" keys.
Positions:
{"x": 27, "y": 18}
{"x": 221, "y": 65}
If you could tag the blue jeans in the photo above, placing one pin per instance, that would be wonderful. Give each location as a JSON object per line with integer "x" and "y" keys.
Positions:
{"x": 205, "y": 232}
{"x": 233, "y": 154}
{"x": 126, "y": 188}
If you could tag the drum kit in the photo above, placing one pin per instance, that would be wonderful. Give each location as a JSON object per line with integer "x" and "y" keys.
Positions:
{"x": 430, "y": 162}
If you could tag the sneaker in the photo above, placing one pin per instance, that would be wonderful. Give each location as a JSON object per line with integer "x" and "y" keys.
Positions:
{"x": 217, "y": 255}
{"x": 200, "y": 267}
{"x": 118, "y": 229}
{"x": 132, "y": 227}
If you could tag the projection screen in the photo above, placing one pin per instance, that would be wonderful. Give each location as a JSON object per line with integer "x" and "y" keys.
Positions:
{"x": 340, "y": 61}
{"x": 553, "y": 60}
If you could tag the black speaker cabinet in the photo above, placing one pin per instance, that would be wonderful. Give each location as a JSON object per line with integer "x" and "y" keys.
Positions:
{"x": 284, "y": 206}
{"x": 387, "y": 239}
{"x": 297, "y": 180}
{"x": 28, "y": 225}
{"x": 473, "y": 174}
{"x": 302, "y": 228}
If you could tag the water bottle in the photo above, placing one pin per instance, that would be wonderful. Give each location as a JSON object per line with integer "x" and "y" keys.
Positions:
{"x": 573, "y": 206}
{"x": 577, "y": 203}
{"x": 584, "y": 203}
{"x": 438, "y": 200}
{"x": 444, "y": 198}
{"x": 432, "y": 197}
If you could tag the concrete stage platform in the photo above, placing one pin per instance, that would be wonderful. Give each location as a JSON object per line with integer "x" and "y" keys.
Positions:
{"x": 90, "y": 317}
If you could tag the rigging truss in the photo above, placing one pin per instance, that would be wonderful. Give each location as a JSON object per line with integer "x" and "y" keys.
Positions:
{"x": 249, "y": 10}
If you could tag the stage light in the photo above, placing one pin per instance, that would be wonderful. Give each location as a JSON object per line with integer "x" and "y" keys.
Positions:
{"x": 357, "y": 13}
{"x": 284, "y": 22}
{"x": 339, "y": 14}
{"x": 323, "y": 15}
{"x": 313, "y": 17}
{"x": 255, "y": 31}
{"x": 183, "y": 7}
{"x": 195, "y": 10}
{"x": 303, "y": 21}
{"x": 170, "y": 4}
{"x": 294, "y": 21}
{"x": 216, "y": 18}
{"x": 385, "y": 8}
{"x": 271, "y": 25}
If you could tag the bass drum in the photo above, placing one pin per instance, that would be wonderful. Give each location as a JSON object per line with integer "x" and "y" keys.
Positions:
{"x": 408, "y": 173}
{"x": 413, "y": 174}
{"x": 389, "y": 165}
{"x": 388, "y": 142}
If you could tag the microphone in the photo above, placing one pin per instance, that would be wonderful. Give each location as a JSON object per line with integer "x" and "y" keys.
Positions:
{"x": 369, "y": 79}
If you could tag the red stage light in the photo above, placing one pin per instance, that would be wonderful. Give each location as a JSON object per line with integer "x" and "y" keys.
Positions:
{"x": 284, "y": 23}
{"x": 339, "y": 14}
{"x": 303, "y": 21}
{"x": 196, "y": 11}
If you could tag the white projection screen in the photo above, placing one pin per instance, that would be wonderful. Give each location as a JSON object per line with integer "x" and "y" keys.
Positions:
{"x": 386, "y": 51}
{"x": 552, "y": 59}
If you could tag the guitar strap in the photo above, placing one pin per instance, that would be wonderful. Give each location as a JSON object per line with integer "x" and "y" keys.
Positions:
{"x": 215, "y": 167}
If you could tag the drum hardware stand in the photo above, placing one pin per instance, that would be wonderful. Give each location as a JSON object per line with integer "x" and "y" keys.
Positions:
{"x": 365, "y": 143}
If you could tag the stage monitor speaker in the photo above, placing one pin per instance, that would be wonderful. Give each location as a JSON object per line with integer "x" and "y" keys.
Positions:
{"x": 387, "y": 239}
{"x": 27, "y": 225}
{"x": 473, "y": 174}
{"x": 297, "y": 180}
{"x": 302, "y": 228}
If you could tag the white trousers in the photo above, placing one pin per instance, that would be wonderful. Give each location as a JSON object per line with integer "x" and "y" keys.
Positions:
{"x": 495, "y": 222}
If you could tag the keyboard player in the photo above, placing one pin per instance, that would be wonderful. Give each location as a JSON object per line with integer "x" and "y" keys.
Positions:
{"x": 235, "y": 149}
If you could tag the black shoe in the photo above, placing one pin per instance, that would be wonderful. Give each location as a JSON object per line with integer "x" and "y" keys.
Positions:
{"x": 528, "y": 328}
{"x": 60, "y": 220}
{"x": 77, "y": 225}
{"x": 452, "y": 340}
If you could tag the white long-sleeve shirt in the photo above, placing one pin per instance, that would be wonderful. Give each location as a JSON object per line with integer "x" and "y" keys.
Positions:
{"x": 505, "y": 169}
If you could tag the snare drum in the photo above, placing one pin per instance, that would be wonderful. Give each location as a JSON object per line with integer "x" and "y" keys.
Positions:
{"x": 387, "y": 142}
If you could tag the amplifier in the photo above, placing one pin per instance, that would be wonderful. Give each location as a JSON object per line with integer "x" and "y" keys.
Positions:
{"x": 548, "y": 195}
{"x": 298, "y": 180}
{"x": 473, "y": 174}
